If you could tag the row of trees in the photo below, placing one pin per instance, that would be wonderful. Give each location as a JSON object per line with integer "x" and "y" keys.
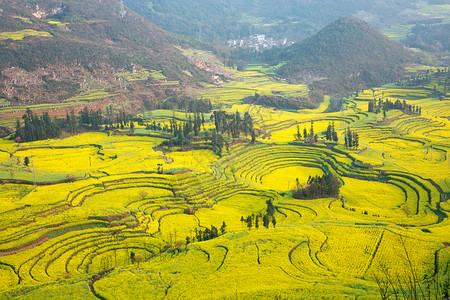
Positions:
{"x": 380, "y": 105}
{"x": 281, "y": 102}
{"x": 92, "y": 119}
{"x": 330, "y": 134}
{"x": 308, "y": 136}
{"x": 43, "y": 127}
{"x": 424, "y": 79}
{"x": 187, "y": 104}
{"x": 318, "y": 187}
{"x": 254, "y": 220}
{"x": 232, "y": 124}
{"x": 187, "y": 128}
{"x": 208, "y": 234}
{"x": 183, "y": 132}
{"x": 416, "y": 80}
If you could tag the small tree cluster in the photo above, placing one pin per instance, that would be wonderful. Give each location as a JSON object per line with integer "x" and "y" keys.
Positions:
{"x": 182, "y": 103}
{"x": 254, "y": 220}
{"x": 351, "y": 139}
{"x": 36, "y": 128}
{"x": 380, "y": 105}
{"x": 269, "y": 216}
{"x": 217, "y": 142}
{"x": 251, "y": 221}
{"x": 183, "y": 132}
{"x": 4, "y": 131}
{"x": 89, "y": 118}
{"x": 331, "y": 134}
{"x": 157, "y": 127}
{"x": 308, "y": 136}
{"x": 232, "y": 124}
{"x": 318, "y": 187}
{"x": 208, "y": 234}
{"x": 136, "y": 258}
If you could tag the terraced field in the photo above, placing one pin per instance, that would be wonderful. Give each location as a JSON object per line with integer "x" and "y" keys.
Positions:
{"x": 97, "y": 218}
{"x": 20, "y": 35}
{"x": 237, "y": 85}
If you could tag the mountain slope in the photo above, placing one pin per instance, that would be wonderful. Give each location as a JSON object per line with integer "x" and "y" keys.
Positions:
{"x": 345, "y": 55}
{"x": 68, "y": 43}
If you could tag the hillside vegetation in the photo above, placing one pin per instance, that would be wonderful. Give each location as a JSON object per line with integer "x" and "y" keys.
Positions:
{"x": 73, "y": 42}
{"x": 347, "y": 54}
{"x": 294, "y": 19}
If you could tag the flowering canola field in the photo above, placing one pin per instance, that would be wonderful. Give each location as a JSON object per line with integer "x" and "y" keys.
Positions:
{"x": 98, "y": 215}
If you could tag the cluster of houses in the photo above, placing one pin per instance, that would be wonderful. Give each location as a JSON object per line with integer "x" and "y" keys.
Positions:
{"x": 257, "y": 42}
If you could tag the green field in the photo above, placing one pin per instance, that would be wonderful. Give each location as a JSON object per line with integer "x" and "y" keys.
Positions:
{"x": 142, "y": 74}
{"x": 102, "y": 220}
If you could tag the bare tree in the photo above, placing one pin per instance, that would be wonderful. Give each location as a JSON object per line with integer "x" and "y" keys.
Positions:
{"x": 143, "y": 194}
{"x": 407, "y": 285}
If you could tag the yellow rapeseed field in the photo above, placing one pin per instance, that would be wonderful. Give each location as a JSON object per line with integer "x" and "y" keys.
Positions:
{"x": 117, "y": 215}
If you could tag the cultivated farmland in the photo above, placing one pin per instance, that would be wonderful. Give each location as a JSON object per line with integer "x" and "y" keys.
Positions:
{"x": 110, "y": 214}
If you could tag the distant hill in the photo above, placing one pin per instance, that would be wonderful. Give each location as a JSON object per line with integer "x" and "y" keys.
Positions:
{"x": 295, "y": 19}
{"x": 50, "y": 50}
{"x": 430, "y": 37}
{"x": 345, "y": 55}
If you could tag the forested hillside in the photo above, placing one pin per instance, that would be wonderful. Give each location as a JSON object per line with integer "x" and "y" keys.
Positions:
{"x": 347, "y": 54}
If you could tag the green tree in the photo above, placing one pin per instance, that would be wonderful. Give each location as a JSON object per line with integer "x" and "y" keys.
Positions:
{"x": 249, "y": 222}
{"x": 266, "y": 221}
{"x": 270, "y": 208}
{"x": 223, "y": 227}
{"x": 355, "y": 140}
{"x": 328, "y": 134}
